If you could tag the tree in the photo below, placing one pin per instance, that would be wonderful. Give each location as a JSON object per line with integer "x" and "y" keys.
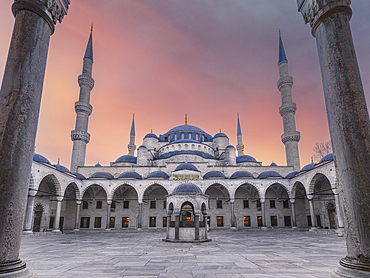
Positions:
{"x": 321, "y": 149}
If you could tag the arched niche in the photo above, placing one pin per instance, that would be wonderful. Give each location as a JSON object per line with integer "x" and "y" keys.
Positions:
{"x": 124, "y": 208}
{"x": 93, "y": 211}
{"x": 302, "y": 208}
{"x": 219, "y": 206}
{"x": 247, "y": 206}
{"x": 278, "y": 211}
{"x": 154, "y": 207}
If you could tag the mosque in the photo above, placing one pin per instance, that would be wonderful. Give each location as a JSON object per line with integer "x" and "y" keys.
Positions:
{"x": 133, "y": 192}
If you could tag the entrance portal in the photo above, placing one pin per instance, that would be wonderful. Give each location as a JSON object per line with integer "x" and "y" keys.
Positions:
{"x": 37, "y": 219}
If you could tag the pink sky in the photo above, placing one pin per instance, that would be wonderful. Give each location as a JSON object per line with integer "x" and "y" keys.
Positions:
{"x": 162, "y": 59}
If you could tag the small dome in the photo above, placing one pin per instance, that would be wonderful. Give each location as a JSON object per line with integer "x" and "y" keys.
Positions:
{"x": 214, "y": 174}
{"x": 187, "y": 188}
{"x": 308, "y": 167}
{"x": 245, "y": 158}
{"x": 269, "y": 174}
{"x": 102, "y": 175}
{"x": 220, "y": 134}
{"x": 151, "y": 135}
{"x": 328, "y": 157}
{"x": 97, "y": 165}
{"x": 141, "y": 147}
{"x": 230, "y": 146}
{"x": 158, "y": 175}
{"x": 40, "y": 158}
{"x": 291, "y": 175}
{"x": 127, "y": 159}
{"x": 273, "y": 164}
{"x": 61, "y": 168}
{"x": 186, "y": 166}
{"x": 241, "y": 175}
{"x": 79, "y": 176}
{"x": 130, "y": 175}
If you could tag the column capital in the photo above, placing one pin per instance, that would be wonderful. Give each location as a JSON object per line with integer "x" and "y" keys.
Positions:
{"x": 109, "y": 202}
{"x": 50, "y": 10}
{"x": 315, "y": 11}
{"x": 292, "y": 200}
{"x": 59, "y": 198}
{"x": 32, "y": 192}
{"x": 310, "y": 197}
{"x": 78, "y": 202}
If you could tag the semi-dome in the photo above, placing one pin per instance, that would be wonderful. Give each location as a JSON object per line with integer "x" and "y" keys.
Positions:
{"x": 187, "y": 188}
{"x": 158, "y": 175}
{"x": 151, "y": 135}
{"x": 40, "y": 158}
{"x": 269, "y": 174}
{"x": 61, "y": 168}
{"x": 186, "y": 166}
{"x": 245, "y": 158}
{"x": 79, "y": 176}
{"x": 130, "y": 175}
{"x": 185, "y": 128}
{"x": 126, "y": 158}
{"x": 220, "y": 134}
{"x": 214, "y": 174}
{"x": 241, "y": 175}
{"x": 102, "y": 175}
{"x": 308, "y": 167}
{"x": 291, "y": 175}
{"x": 328, "y": 157}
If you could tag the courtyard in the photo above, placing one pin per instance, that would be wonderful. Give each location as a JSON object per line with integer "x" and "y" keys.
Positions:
{"x": 247, "y": 253}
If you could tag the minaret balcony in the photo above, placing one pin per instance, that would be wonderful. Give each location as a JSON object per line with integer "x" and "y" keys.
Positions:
{"x": 83, "y": 107}
{"x": 86, "y": 80}
{"x": 79, "y": 135}
{"x": 285, "y": 82}
{"x": 287, "y": 108}
{"x": 293, "y": 136}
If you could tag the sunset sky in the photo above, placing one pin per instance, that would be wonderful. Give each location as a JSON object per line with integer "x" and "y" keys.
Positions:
{"x": 161, "y": 59}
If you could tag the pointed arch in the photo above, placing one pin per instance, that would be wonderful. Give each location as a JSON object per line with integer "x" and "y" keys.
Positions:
{"x": 74, "y": 186}
{"x": 119, "y": 187}
{"x": 215, "y": 183}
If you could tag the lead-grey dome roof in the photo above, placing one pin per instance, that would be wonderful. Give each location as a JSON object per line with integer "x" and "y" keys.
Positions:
{"x": 186, "y": 166}
{"x": 187, "y": 188}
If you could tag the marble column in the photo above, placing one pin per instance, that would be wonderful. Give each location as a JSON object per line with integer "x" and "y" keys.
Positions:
{"x": 57, "y": 216}
{"x": 233, "y": 226}
{"x": 78, "y": 208}
{"x": 349, "y": 124}
{"x": 294, "y": 220}
{"x": 177, "y": 226}
{"x": 30, "y": 212}
{"x": 263, "y": 215}
{"x": 338, "y": 212}
{"x": 196, "y": 220}
{"x": 140, "y": 217}
{"x": 312, "y": 213}
{"x": 168, "y": 226}
{"x": 205, "y": 225}
{"x": 20, "y": 97}
{"x": 109, "y": 205}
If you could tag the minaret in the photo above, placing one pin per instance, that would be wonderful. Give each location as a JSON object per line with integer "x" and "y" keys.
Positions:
{"x": 80, "y": 136}
{"x": 131, "y": 146}
{"x": 240, "y": 145}
{"x": 291, "y": 136}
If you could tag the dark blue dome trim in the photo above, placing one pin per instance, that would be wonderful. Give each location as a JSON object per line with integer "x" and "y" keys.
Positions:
{"x": 102, "y": 175}
{"x": 245, "y": 158}
{"x": 186, "y": 166}
{"x": 61, "y": 168}
{"x": 214, "y": 174}
{"x": 40, "y": 158}
{"x": 241, "y": 174}
{"x": 130, "y": 175}
{"x": 218, "y": 135}
{"x": 328, "y": 157}
{"x": 187, "y": 188}
{"x": 230, "y": 146}
{"x": 291, "y": 175}
{"x": 142, "y": 147}
{"x": 127, "y": 159}
{"x": 199, "y": 153}
{"x": 79, "y": 176}
{"x": 151, "y": 135}
{"x": 185, "y": 141}
{"x": 269, "y": 174}
{"x": 158, "y": 175}
{"x": 308, "y": 167}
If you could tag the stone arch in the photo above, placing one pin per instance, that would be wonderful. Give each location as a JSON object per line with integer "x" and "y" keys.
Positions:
{"x": 219, "y": 182}
{"x": 52, "y": 180}
{"x": 149, "y": 185}
{"x": 247, "y": 183}
{"x": 38, "y": 204}
{"x": 219, "y": 206}
{"x": 117, "y": 187}
{"x": 93, "y": 191}
{"x": 76, "y": 190}
{"x": 287, "y": 189}
{"x": 316, "y": 177}
{"x": 297, "y": 189}
{"x": 154, "y": 204}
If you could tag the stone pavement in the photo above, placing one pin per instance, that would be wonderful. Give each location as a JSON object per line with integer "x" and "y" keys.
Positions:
{"x": 278, "y": 253}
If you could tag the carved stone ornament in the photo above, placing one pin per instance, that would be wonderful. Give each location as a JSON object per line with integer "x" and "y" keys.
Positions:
{"x": 294, "y": 137}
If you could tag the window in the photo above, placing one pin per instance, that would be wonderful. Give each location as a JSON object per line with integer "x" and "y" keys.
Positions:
{"x": 112, "y": 222}
{"x": 318, "y": 220}
{"x": 85, "y": 205}
{"x": 258, "y": 205}
{"x": 272, "y": 204}
{"x": 97, "y": 223}
{"x": 259, "y": 221}
{"x": 164, "y": 204}
{"x": 220, "y": 221}
{"x": 99, "y": 204}
{"x": 287, "y": 222}
{"x": 246, "y": 204}
{"x": 247, "y": 221}
{"x": 273, "y": 221}
{"x": 219, "y": 204}
{"x": 152, "y": 204}
{"x": 113, "y": 206}
{"x": 51, "y": 222}
{"x": 309, "y": 222}
{"x": 85, "y": 222}
{"x": 125, "y": 221}
{"x": 152, "y": 221}
{"x": 126, "y": 204}
{"x": 164, "y": 221}
{"x": 285, "y": 204}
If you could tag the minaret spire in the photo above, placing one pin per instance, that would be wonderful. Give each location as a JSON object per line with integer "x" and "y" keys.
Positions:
{"x": 131, "y": 145}
{"x": 291, "y": 136}
{"x": 239, "y": 146}
{"x": 79, "y": 135}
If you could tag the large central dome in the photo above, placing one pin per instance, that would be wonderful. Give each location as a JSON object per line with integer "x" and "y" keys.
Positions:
{"x": 185, "y": 128}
